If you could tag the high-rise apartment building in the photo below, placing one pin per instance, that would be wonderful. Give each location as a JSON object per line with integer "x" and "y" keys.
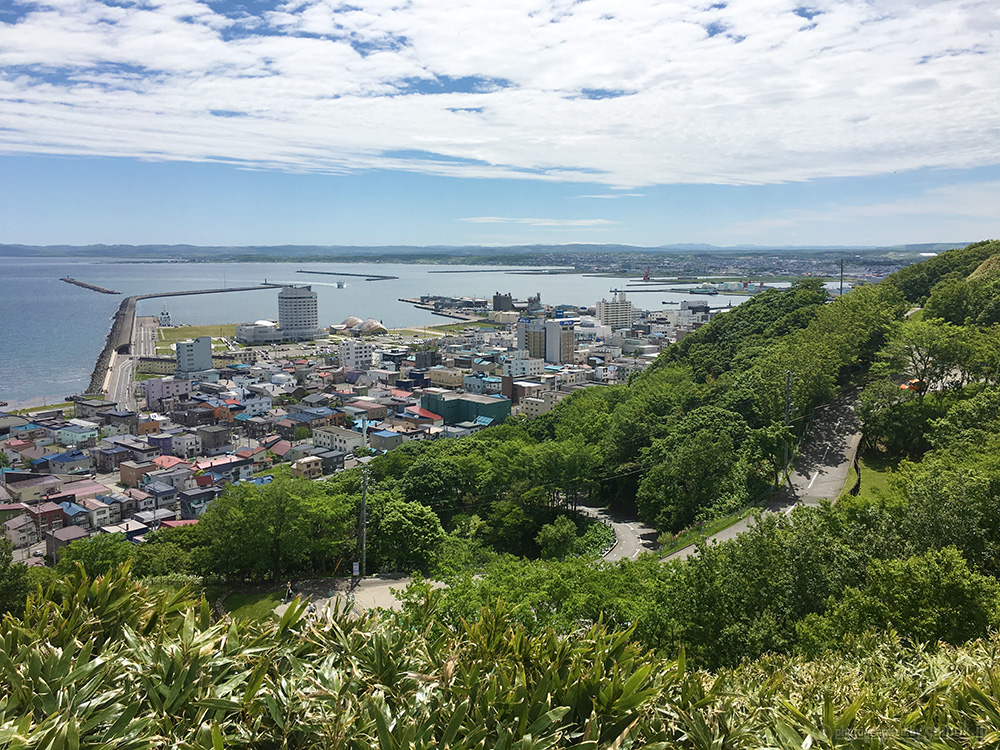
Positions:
{"x": 617, "y": 313}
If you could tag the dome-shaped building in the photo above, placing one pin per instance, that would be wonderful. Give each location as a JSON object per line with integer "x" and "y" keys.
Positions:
{"x": 352, "y": 321}
{"x": 371, "y": 326}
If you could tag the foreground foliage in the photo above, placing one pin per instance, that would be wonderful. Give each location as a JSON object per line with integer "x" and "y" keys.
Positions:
{"x": 106, "y": 663}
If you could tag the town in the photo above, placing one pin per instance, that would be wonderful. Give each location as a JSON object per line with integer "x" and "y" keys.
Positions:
{"x": 178, "y": 420}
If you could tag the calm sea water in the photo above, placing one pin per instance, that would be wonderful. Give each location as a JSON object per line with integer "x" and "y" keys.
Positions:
{"x": 51, "y": 332}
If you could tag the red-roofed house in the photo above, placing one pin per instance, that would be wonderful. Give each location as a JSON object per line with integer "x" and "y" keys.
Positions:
{"x": 169, "y": 462}
{"x": 177, "y": 524}
{"x": 419, "y": 415}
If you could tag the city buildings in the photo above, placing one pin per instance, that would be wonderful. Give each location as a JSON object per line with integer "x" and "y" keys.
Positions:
{"x": 194, "y": 355}
{"x": 617, "y": 313}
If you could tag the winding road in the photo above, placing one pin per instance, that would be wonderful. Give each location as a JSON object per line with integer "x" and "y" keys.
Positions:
{"x": 819, "y": 473}
{"x": 820, "y": 469}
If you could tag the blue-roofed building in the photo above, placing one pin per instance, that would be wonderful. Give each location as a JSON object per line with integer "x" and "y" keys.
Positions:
{"x": 385, "y": 440}
{"x": 76, "y": 515}
{"x": 70, "y": 462}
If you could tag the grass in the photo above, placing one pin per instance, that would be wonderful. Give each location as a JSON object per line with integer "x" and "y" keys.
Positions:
{"x": 47, "y": 407}
{"x": 256, "y": 607}
{"x": 430, "y": 333}
{"x": 876, "y": 469}
{"x": 918, "y": 315}
{"x": 700, "y": 532}
{"x": 180, "y": 333}
{"x": 459, "y": 327}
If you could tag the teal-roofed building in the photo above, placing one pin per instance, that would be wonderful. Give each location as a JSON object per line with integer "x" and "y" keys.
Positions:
{"x": 464, "y": 407}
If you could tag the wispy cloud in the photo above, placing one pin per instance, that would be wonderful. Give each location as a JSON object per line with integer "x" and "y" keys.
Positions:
{"x": 613, "y": 195}
{"x": 538, "y": 222}
{"x": 625, "y": 94}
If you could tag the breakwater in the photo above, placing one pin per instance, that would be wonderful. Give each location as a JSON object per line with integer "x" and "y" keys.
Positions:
{"x": 119, "y": 340}
{"x": 365, "y": 276}
{"x": 265, "y": 285}
{"x": 85, "y": 285}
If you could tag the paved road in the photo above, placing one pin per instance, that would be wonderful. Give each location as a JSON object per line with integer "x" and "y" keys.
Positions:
{"x": 122, "y": 382}
{"x": 370, "y": 593}
{"x": 820, "y": 470}
{"x": 633, "y": 536}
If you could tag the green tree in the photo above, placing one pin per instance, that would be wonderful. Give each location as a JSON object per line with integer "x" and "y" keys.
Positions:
{"x": 407, "y": 536}
{"x": 557, "y": 540}
{"x": 302, "y": 433}
{"x": 924, "y": 350}
{"x": 928, "y": 597}
{"x": 259, "y": 532}
{"x": 13, "y": 580}
{"x": 98, "y": 554}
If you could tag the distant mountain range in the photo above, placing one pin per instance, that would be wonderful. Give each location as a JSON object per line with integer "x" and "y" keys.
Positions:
{"x": 279, "y": 252}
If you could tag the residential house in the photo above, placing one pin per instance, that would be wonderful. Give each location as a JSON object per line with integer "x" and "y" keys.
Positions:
{"x": 76, "y": 515}
{"x": 76, "y": 435}
{"x": 129, "y": 528}
{"x": 107, "y": 458}
{"x": 47, "y": 517}
{"x": 21, "y": 530}
{"x": 69, "y": 462}
{"x": 338, "y": 438}
{"x": 152, "y": 518}
{"x": 186, "y": 444}
{"x": 88, "y": 408}
{"x": 100, "y": 513}
{"x": 164, "y": 494}
{"x": 310, "y": 467}
{"x": 56, "y": 539}
{"x": 131, "y": 472}
{"x": 385, "y": 440}
{"x": 215, "y": 439}
{"x": 193, "y": 502}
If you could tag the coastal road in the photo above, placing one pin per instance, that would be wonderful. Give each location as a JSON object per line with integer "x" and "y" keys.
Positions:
{"x": 122, "y": 381}
{"x": 820, "y": 470}
{"x": 633, "y": 536}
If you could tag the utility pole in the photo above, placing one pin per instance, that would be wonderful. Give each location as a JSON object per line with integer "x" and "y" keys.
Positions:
{"x": 788, "y": 408}
{"x": 841, "y": 277}
{"x": 363, "y": 541}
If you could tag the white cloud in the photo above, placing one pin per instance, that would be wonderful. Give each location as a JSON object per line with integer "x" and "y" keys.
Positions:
{"x": 539, "y": 222}
{"x": 965, "y": 211}
{"x": 624, "y": 92}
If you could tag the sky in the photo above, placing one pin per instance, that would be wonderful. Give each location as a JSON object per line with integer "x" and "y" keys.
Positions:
{"x": 441, "y": 122}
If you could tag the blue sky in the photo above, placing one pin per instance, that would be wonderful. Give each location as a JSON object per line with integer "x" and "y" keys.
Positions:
{"x": 524, "y": 121}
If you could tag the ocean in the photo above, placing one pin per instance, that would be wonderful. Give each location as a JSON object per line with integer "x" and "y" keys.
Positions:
{"x": 51, "y": 332}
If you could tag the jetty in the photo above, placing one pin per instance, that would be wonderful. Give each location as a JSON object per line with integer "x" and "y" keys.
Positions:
{"x": 365, "y": 276}
{"x": 264, "y": 285}
{"x": 444, "y": 312}
{"x": 85, "y": 285}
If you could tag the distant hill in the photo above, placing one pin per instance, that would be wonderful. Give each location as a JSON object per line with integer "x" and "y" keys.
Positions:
{"x": 281, "y": 252}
